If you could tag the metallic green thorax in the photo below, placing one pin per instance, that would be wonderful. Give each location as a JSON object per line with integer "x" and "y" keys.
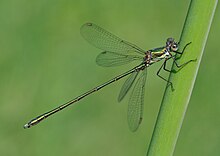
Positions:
{"x": 161, "y": 53}
{"x": 158, "y": 54}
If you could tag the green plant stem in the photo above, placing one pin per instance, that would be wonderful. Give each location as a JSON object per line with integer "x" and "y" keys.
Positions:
{"x": 174, "y": 103}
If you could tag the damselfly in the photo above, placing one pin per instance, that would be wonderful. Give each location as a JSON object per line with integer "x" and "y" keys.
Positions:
{"x": 118, "y": 52}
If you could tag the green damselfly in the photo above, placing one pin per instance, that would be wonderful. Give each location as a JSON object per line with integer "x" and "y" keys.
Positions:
{"x": 118, "y": 52}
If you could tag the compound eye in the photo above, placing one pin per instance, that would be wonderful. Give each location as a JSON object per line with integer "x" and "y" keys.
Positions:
{"x": 174, "y": 46}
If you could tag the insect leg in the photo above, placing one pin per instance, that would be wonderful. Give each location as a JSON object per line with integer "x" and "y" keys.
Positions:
{"x": 181, "y": 53}
{"x": 158, "y": 74}
{"x": 178, "y": 52}
{"x": 181, "y": 65}
{"x": 164, "y": 65}
{"x": 184, "y": 48}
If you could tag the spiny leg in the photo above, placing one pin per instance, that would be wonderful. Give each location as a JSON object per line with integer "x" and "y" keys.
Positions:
{"x": 181, "y": 53}
{"x": 164, "y": 65}
{"x": 181, "y": 65}
{"x": 158, "y": 74}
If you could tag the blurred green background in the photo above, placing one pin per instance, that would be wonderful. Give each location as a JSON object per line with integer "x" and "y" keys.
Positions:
{"x": 45, "y": 62}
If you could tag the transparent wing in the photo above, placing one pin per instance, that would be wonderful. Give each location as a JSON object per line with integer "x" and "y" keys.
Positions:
{"x": 109, "y": 59}
{"x": 104, "y": 40}
{"x": 127, "y": 85}
{"x": 136, "y": 103}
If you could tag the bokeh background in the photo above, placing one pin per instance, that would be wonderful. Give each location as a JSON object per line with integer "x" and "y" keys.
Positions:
{"x": 45, "y": 62}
